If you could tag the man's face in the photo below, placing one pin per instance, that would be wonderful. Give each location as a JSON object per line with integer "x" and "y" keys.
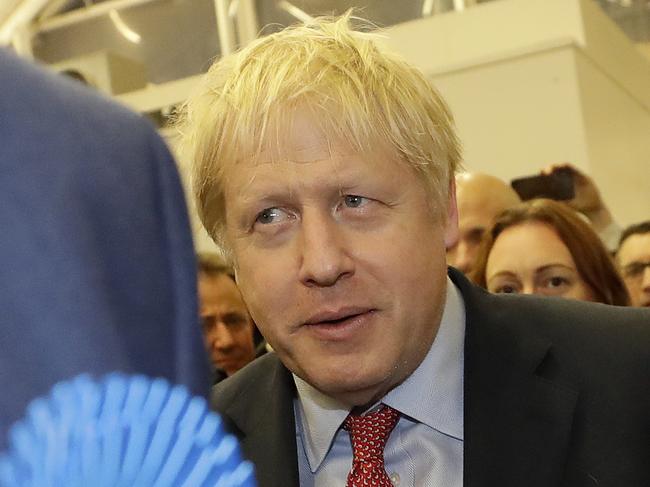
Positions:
{"x": 227, "y": 326}
{"x": 340, "y": 262}
{"x": 481, "y": 198}
{"x": 634, "y": 262}
{"x": 464, "y": 252}
{"x": 475, "y": 216}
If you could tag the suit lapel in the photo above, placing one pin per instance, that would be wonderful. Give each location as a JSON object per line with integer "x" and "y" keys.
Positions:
{"x": 267, "y": 426}
{"x": 517, "y": 423}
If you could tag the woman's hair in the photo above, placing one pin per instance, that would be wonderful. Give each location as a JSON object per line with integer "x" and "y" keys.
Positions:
{"x": 357, "y": 93}
{"x": 593, "y": 262}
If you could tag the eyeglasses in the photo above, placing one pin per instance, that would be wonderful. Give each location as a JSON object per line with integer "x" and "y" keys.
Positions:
{"x": 635, "y": 270}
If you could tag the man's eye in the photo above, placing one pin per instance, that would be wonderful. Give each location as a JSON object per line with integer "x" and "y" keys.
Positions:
{"x": 635, "y": 269}
{"x": 475, "y": 235}
{"x": 354, "y": 201}
{"x": 207, "y": 322}
{"x": 234, "y": 320}
{"x": 271, "y": 215}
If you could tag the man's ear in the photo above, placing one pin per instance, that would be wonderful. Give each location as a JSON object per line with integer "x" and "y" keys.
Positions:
{"x": 451, "y": 224}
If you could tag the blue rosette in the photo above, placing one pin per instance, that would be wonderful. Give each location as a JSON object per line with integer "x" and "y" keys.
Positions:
{"x": 122, "y": 431}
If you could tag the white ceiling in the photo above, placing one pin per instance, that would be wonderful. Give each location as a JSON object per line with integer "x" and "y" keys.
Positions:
{"x": 632, "y": 15}
{"x": 7, "y": 7}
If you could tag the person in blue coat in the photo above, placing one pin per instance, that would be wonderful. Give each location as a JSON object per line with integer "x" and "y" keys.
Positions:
{"x": 97, "y": 269}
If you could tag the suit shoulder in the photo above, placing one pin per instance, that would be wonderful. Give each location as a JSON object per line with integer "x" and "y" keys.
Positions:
{"x": 551, "y": 318}
{"x": 255, "y": 379}
{"x": 579, "y": 332}
{"x": 605, "y": 346}
{"x": 566, "y": 319}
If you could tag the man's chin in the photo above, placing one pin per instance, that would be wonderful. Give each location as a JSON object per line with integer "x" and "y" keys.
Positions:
{"x": 227, "y": 367}
{"x": 352, "y": 391}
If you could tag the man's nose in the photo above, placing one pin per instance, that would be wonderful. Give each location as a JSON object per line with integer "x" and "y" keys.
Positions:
{"x": 645, "y": 279}
{"x": 223, "y": 338}
{"x": 464, "y": 256}
{"x": 323, "y": 248}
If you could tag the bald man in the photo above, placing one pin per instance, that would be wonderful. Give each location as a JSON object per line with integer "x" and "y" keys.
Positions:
{"x": 481, "y": 198}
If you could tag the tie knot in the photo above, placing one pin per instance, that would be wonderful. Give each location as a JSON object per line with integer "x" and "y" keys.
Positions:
{"x": 370, "y": 432}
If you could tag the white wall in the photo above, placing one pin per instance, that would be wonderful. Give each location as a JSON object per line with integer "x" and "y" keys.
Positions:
{"x": 614, "y": 85}
{"x": 518, "y": 115}
{"x": 618, "y": 134}
{"x": 202, "y": 241}
{"x": 533, "y": 82}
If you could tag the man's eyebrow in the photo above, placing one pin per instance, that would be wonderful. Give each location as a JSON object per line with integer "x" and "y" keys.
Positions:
{"x": 233, "y": 313}
{"x": 262, "y": 198}
{"x": 476, "y": 231}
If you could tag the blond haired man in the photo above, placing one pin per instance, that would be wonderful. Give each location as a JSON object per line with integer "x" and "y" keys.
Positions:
{"x": 325, "y": 168}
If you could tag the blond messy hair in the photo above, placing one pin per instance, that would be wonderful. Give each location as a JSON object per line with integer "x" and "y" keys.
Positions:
{"x": 358, "y": 94}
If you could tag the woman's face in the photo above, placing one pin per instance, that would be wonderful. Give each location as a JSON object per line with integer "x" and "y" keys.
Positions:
{"x": 530, "y": 258}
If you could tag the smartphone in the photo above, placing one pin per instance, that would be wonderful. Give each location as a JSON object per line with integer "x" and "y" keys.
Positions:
{"x": 557, "y": 186}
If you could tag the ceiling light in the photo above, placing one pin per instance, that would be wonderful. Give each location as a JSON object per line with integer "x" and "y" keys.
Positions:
{"x": 128, "y": 33}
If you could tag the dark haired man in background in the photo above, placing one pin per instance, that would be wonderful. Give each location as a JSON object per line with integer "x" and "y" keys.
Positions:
{"x": 633, "y": 259}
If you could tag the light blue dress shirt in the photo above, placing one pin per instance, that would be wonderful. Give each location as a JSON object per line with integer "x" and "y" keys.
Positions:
{"x": 426, "y": 446}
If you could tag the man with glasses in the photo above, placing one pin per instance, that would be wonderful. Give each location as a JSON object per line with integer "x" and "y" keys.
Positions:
{"x": 633, "y": 259}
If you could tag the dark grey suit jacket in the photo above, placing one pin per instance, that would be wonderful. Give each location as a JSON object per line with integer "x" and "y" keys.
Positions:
{"x": 556, "y": 394}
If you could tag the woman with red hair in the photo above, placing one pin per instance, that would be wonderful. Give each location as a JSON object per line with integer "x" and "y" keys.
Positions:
{"x": 544, "y": 247}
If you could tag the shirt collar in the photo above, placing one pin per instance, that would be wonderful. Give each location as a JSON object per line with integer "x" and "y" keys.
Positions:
{"x": 432, "y": 394}
{"x": 318, "y": 418}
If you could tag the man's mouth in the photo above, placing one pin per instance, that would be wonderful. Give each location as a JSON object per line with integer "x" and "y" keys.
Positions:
{"x": 336, "y": 317}
{"x": 339, "y": 325}
{"x": 224, "y": 361}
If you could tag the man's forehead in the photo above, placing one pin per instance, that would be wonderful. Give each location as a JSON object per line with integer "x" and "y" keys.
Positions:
{"x": 218, "y": 285}
{"x": 299, "y": 137}
{"x": 287, "y": 161}
{"x": 481, "y": 198}
{"x": 635, "y": 247}
{"x": 300, "y": 151}
{"x": 475, "y": 215}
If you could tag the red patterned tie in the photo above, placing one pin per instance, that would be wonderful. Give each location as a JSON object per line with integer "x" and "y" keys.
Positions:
{"x": 369, "y": 434}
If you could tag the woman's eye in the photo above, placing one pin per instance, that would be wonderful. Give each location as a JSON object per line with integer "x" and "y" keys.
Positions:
{"x": 506, "y": 289}
{"x": 354, "y": 201}
{"x": 556, "y": 281}
{"x": 503, "y": 288}
{"x": 270, "y": 215}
